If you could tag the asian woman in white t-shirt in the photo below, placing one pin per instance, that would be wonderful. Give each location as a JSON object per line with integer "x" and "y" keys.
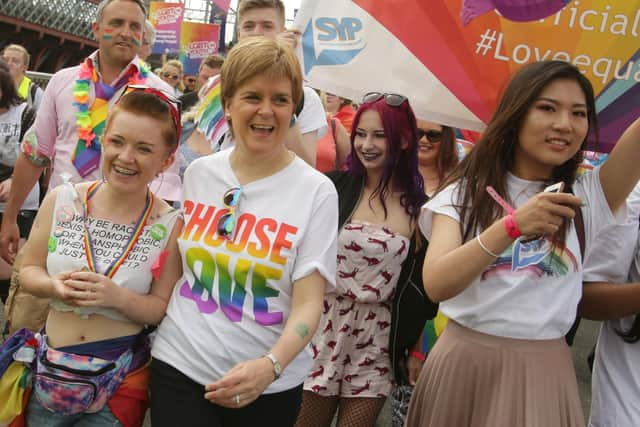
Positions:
{"x": 508, "y": 271}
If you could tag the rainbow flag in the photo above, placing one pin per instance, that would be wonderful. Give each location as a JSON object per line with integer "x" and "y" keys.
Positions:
{"x": 210, "y": 117}
{"x": 432, "y": 330}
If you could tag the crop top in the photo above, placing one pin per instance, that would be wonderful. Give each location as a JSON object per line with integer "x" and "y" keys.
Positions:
{"x": 67, "y": 251}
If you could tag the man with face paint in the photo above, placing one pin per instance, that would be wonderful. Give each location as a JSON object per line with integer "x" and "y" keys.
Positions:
{"x": 73, "y": 111}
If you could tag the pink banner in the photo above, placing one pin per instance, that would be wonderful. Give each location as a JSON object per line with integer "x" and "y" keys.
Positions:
{"x": 197, "y": 42}
{"x": 166, "y": 18}
{"x": 222, "y": 4}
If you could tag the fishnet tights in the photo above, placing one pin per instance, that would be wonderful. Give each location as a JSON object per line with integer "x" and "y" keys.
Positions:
{"x": 318, "y": 411}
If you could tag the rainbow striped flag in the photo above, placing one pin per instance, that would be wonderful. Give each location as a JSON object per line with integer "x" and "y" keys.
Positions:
{"x": 210, "y": 117}
{"x": 432, "y": 330}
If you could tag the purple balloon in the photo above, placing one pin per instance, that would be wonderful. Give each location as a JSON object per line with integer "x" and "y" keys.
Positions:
{"x": 514, "y": 10}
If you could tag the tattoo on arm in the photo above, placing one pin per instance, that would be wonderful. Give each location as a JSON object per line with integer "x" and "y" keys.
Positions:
{"x": 29, "y": 148}
{"x": 302, "y": 330}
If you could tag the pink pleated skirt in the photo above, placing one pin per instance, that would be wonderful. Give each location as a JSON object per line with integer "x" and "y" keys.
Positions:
{"x": 473, "y": 379}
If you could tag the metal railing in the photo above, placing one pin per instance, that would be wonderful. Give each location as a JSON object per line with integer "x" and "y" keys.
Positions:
{"x": 41, "y": 79}
{"x": 66, "y": 16}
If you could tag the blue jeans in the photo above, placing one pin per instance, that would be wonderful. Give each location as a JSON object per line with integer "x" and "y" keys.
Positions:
{"x": 39, "y": 416}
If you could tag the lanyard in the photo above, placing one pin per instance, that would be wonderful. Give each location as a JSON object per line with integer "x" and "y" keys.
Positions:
{"x": 131, "y": 242}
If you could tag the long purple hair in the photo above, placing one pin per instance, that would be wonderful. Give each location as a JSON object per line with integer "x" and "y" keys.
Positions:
{"x": 400, "y": 172}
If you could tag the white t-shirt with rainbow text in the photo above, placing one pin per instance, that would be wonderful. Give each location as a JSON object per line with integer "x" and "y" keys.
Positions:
{"x": 234, "y": 297}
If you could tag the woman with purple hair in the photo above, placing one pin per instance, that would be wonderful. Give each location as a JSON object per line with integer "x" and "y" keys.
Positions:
{"x": 377, "y": 311}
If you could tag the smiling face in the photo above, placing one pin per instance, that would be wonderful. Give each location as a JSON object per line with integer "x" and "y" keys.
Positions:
{"x": 135, "y": 151}
{"x": 429, "y": 144}
{"x": 552, "y": 131}
{"x": 370, "y": 143}
{"x": 260, "y": 112}
{"x": 119, "y": 33}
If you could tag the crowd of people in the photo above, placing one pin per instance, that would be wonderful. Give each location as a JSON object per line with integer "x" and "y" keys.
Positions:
{"x": 283, "y": 273}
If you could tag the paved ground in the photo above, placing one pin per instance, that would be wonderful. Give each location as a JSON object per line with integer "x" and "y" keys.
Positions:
{"x": 584, "y": 342}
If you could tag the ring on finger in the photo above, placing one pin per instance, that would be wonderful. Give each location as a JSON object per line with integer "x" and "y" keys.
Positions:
{"x": 237, "y": 399}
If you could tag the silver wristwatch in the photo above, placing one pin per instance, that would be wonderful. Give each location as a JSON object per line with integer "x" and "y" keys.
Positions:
{"x": 277, "y": 368}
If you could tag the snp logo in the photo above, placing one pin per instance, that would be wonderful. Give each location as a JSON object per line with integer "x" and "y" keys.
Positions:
{"x": 331, "y": 41}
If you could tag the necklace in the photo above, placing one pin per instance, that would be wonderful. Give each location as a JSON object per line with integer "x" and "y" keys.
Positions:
{"x": 131, "y": 241}
{"x": 90, "y": 119}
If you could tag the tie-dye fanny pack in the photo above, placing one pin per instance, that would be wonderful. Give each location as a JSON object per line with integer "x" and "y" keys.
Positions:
{"x": 68, "y": 383}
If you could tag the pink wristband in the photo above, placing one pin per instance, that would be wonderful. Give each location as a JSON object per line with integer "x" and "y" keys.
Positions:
{"x": 511, "y": 227}
{"x": 417, "y": 355}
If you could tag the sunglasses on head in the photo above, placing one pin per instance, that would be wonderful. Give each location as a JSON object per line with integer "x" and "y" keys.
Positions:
{"x": 175, "y": 106}
{"x": 391, "y": 99}
{"x": 432, "y": 135}
{"x": 168, "y": 75}
{"x": 227, "y": 221}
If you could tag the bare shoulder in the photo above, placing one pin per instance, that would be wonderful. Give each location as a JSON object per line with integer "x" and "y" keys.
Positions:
{"x": 161, "y": 207}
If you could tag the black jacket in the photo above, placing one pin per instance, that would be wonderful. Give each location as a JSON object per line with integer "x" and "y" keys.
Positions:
{"x": 411, "y": 306}
{"x": 188, "y": 100}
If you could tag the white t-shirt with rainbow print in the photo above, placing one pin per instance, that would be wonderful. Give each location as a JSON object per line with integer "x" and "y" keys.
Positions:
{"x": 532, "y": 290}
{"x": 234, "y": 297}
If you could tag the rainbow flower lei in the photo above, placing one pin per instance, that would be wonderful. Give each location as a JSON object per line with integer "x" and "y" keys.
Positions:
{"x": 87, "y": 75}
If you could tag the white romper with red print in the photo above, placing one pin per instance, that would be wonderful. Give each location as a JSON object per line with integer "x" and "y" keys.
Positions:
{"x": 351, "y": 346}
